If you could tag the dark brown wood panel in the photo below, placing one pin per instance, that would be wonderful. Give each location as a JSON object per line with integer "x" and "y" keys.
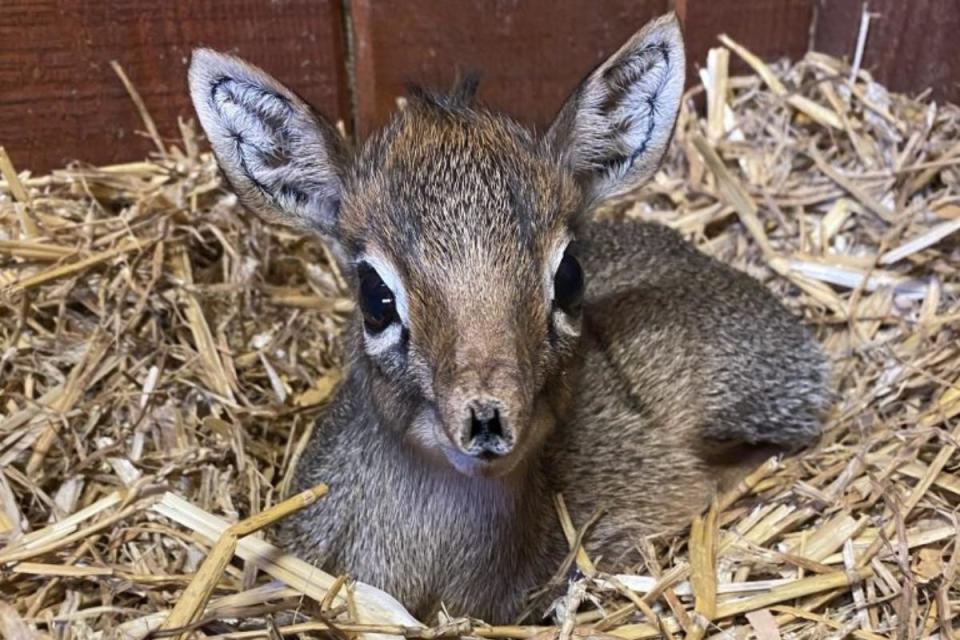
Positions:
{"x": 911, "y": 46}
{"x": 771, "y": 29}
{"x": 60, "y": 100}
{"x": 530, "y": 53}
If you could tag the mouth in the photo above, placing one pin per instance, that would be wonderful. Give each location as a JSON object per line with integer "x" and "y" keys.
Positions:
{"x": 482, "y": 465}
{"x": 429, "y": 436}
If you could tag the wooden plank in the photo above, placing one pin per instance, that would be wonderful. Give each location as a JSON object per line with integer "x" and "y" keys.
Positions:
{"x": 912, "y": 46}
{"x": 530, "y": 54}
{"x": 771, "y": 29}
{"x": 60, "y": 100}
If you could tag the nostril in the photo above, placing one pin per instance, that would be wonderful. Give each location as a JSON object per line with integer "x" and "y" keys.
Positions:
{"x": 476, "y": 426}
{"x": 486, "y": 433}
{"x": 493, "y": 424}
{"x": 485, "y": 423}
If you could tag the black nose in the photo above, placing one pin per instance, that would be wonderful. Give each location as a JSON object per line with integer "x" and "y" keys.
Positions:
{"x": 488, "y": 435}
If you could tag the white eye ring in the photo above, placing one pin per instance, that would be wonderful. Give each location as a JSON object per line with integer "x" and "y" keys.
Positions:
{"x": 377, "y": 344}
{"x": 563, "y": 323}
{"x": 552, "y": 265}
{"x": 390, "y": 337}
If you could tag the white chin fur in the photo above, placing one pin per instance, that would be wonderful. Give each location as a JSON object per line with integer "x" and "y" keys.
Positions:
{"x": 475, "y": 468}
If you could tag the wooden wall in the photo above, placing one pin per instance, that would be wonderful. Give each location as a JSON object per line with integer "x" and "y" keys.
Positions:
{"x": 530, "y": 54}
{"x": 60, "y": 100}
{"x": 772, "y": 29}
{"x": 912, "y": 45}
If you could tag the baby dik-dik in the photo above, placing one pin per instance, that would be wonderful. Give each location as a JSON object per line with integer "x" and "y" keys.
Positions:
{"x": 505, "y": 348}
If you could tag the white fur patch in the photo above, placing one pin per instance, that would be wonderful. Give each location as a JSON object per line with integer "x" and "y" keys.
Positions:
{"x": 565, "y": 324}
{"x": 552, "y": 265}
{"x": 387, "y": 339}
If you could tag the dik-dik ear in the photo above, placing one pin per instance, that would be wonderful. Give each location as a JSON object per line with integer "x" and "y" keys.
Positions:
{"x": 613, "y": 131}
{"x": 285, "y": 163}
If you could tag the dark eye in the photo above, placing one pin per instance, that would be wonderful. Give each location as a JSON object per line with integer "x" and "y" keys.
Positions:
{"x": 377, "y": 302}
{"x": 568, "y": 284}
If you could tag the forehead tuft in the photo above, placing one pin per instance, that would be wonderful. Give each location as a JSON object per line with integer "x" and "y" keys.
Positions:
{"x": 448, "y": 182}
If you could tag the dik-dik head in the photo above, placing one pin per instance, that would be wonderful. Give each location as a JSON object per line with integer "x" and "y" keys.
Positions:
{"x": 458, "y": 228}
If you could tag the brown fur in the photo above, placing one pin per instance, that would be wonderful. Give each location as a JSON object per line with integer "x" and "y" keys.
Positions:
{"x": 677, "y": 369}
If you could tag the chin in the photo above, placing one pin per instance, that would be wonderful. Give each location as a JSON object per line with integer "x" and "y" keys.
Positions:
{"x": 474, "y": 467}
{"x": 429, "y": 438}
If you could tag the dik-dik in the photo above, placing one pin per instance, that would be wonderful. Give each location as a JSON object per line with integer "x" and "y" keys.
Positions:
{"x": 506, "y": 347}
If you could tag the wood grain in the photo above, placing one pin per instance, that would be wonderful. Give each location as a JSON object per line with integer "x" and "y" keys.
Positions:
{"x": 771, "y": 29}
{"x": 912, "y": 46}
{"x": 530, "y": 54}
{"x": 61, "y": 101}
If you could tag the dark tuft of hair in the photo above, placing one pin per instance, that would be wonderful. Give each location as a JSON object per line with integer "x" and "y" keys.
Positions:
{"x": 462, "y": 96}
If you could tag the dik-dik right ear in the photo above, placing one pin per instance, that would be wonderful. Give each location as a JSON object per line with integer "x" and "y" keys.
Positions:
{"x": 285, "y": 163}
{"x": 613, "y": 131}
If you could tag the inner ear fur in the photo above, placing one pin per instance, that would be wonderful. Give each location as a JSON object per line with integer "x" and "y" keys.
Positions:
{"x": 615, "y": 128}
{"x": 284, "y": 162}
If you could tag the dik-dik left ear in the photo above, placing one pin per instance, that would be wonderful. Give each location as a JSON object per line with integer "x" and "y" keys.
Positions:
{"x": 284, "y": 162}
{"x": 613, "y": 131}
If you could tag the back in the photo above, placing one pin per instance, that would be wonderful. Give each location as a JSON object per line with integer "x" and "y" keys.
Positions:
{"x": 753, "y": 360}
{"x": 690, "y": 369}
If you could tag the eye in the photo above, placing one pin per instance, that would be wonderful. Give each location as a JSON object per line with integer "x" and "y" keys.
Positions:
{"x": 568, "y": 284}
{"x": 377, "y": 302}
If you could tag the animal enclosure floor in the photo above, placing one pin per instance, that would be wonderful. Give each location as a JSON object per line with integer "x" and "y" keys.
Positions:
{"x": 163, "y": 356}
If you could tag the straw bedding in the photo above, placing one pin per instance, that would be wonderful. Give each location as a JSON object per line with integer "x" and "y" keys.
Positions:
{"x": 164, "y": 355}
